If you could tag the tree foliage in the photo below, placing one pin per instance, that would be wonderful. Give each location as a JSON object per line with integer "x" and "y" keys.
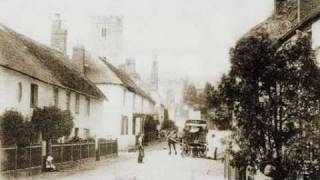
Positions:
{"x": 190, "y": 95}
{"x": 52, "y": 122}
{"x": 168, "y": 124}
{"x": 150, "y": 124}
{"x": 14, "y": 130}
{"x": 217, "y": 108}
{"x": 276, "y": 99}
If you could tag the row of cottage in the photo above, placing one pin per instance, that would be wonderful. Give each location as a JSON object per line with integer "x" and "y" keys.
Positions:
{"x": 104, "y": 100}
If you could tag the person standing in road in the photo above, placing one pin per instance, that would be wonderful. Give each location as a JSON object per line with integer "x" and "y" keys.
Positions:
{"x": 172, "y": 140}
{"x": 140, "y": 148}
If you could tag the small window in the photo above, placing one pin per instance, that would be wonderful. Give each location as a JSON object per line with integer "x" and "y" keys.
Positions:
{"x": 134, "y": 122}
{"x": 19, "y": 91}
{"x": 77, "y": 105}
{"x": 76, "y": 132}
{"x": 68, "y": 100}
{"x": 104, "y": 32}
{"x": 86, "y": 133}
{"x": 142, "y": 125}
{"x": 34, "y": 96}
{"x": 124, "y": 97}
{"x": 124, "y": 125}
{"x": 142, "y": 104}
{"x": 134, "y": 102}
{"x": 88, "y": 105}
{"x": 56, "y": 96}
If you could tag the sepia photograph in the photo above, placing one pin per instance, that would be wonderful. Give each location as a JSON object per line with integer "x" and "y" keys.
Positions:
{"x": 160, "y": 90}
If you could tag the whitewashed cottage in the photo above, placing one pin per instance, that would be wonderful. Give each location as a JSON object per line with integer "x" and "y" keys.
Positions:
{"x": 34, "y": 75}
{"x": 127, "y": 105}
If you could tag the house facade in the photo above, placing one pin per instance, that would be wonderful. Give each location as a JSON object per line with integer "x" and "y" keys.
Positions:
{"x": 33, "y": 75}
{"x": 127, "y": 106}
{"x": 290, "y": 19}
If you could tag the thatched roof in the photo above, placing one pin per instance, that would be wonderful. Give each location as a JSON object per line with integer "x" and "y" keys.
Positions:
{"x": 277, "y": 24}
{"x": 97, "y": 71}
{"x": 101, "y": 71}
{"x": 283, "y": 25}
{"x": 26, "y": 56}
{"x": 304, "y": 24}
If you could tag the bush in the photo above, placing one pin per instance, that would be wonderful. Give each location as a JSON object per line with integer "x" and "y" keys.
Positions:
{"x": 150, "y": 124}
{"x": 168, "y": 124}
{"x": 14, "y": 130}
{"x": 52, "y": 122}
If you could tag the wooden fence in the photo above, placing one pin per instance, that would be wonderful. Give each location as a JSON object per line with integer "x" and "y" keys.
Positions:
{"x": 15, "y": 158}
{"x": 108, "y": 148}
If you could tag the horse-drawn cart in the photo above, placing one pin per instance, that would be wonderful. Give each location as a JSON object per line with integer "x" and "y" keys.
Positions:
{"x": 194, "y": 140}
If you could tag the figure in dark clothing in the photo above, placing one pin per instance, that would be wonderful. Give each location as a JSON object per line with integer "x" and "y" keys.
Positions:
{"x": 140, "y": 148}
{"x": 172, "y": 140}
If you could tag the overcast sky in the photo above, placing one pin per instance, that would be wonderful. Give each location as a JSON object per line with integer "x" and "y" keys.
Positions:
{"x": 190, "y": 37}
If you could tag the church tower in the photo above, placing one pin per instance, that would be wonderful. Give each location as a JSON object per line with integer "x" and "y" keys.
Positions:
{"x": 107, "y": 38}
{"x": 58, "y": 35}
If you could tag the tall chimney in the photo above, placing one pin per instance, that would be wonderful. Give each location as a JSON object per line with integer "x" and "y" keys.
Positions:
{"x": 58, "y": 35}
{"x": 78, "y": 58}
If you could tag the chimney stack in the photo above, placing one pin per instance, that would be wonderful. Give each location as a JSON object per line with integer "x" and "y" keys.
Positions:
{"x": 78, "y": 58}
{"x": 58, "y": 35}
{"x": 279, "y": 6}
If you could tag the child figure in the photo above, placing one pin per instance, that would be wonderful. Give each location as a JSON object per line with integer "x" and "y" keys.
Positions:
{"x": 49, "y": 164}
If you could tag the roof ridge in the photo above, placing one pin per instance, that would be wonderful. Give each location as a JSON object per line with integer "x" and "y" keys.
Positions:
{"x": 54, "y": 61}
{"x": 126, "y": 80}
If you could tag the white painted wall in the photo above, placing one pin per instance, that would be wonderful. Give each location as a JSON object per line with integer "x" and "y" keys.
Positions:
{"x": 116, "y": 107}
{"x": 9, "y": 100}
{"x": 104, "y": 119}
{"x": 316, "y": 39}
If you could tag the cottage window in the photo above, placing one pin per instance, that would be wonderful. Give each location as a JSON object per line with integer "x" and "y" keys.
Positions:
{"x": 134, "y": 122}
{"x": 134, "y": 102}
{"x": 56, "y": 96}
{"x": 77, "y": 105}
{"x": 142, "y": 125}
{"x": 88, "y": 105}
{"x": 34, "y": 95}
{"x": 20, "y": 92}
{"x": 76, "y": 132}
{"x": 104, "y": 32}
{"x": 68, "y": 100}
{"x": 86, "y": 133}
{"x": 124, "y": 97}
{"x": 142, "y": 104}
{"x": 124, "y": 125}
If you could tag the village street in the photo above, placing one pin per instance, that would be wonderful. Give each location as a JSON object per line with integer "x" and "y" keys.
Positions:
{"x": 158, "y": 165}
